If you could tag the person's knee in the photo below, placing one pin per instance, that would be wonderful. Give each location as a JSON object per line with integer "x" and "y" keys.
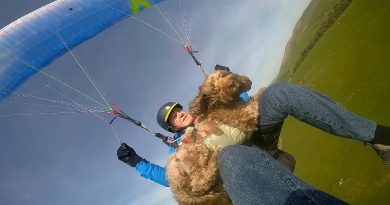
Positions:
{"x": 280, "y": 87}
{"x": 274, "y": 103}
{"x": 274, "y": 92}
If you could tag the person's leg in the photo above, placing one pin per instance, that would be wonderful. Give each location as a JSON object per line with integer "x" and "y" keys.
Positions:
{"x": 282, "y": 99}
{"x": 267, "y": 138}
{"x": 251, "y": 176}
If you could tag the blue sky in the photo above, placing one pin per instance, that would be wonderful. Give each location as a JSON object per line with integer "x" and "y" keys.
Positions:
{"x": 71, "y": 158}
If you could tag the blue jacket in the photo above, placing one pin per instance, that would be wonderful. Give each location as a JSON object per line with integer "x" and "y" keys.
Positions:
{"x": 155, "y": 172}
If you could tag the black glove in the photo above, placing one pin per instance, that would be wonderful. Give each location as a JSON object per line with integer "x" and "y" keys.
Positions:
{"x": 127, "y": 155}
{"x": 221, "y": 67}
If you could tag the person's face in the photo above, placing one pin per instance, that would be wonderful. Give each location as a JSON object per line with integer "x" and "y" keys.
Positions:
{"x": 178, "y": 119}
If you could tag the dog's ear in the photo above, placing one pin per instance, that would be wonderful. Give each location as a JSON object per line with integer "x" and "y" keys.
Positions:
{"x": 199, "y": 104}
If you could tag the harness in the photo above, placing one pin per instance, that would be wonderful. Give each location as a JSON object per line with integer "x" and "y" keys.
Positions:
{"x": 222, "y": 136}
{"x": 192, "y": 137}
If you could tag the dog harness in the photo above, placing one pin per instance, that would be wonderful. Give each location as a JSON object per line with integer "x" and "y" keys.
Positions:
{"x": 222, "y": 136}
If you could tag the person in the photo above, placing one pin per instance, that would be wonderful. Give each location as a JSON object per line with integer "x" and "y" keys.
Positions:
{"x": 145, "y": 168}
{"x": 250, "y": 177}
{"x": 172, "y": 118}
{"x": 283, "y": 99}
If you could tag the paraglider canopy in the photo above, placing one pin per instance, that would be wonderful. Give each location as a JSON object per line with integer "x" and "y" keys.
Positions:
{"x": 35, "y": 40}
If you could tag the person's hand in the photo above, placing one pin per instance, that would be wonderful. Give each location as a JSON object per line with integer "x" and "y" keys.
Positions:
{"x": 221, "y": 67}
{"x": 127, "y": 155}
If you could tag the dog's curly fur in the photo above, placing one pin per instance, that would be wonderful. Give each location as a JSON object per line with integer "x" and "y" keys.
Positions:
{"x": 192, "y": 171}
{"x": 192, "y": 175}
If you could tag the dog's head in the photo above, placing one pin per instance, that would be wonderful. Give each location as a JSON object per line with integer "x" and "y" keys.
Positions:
{"x": 221, "y": 88}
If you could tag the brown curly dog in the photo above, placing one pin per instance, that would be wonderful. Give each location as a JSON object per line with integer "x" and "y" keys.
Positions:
{"x": 192, "y": 171}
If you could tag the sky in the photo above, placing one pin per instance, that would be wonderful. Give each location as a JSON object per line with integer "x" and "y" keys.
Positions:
{"x": 67, "y": 158}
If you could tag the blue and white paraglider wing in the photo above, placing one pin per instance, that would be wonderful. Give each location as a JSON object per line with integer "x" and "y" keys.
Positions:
{"x": 38, "y": 38}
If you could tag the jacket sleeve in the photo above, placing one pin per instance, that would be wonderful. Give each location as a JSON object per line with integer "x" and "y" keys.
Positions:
{"x": 153, "y": 172}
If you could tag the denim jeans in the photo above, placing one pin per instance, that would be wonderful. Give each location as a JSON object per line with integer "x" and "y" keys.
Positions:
{"x": 253, "y": 177}
{"x": 282, "y": 99}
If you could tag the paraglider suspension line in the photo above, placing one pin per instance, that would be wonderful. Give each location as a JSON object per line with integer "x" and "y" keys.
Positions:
{"x": 188, "y": 49}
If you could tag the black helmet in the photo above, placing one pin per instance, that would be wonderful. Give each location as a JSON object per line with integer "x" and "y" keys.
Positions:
{"x": 163, "y": 115}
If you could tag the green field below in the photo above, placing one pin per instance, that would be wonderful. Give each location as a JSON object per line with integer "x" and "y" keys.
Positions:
{"x": 349, "y": 63}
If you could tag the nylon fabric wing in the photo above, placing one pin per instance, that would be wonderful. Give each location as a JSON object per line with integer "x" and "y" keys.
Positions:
{"x": 38, "y": 38}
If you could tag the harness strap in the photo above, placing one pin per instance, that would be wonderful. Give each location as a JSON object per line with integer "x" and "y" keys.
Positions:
{"x": 192, "y": 137}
